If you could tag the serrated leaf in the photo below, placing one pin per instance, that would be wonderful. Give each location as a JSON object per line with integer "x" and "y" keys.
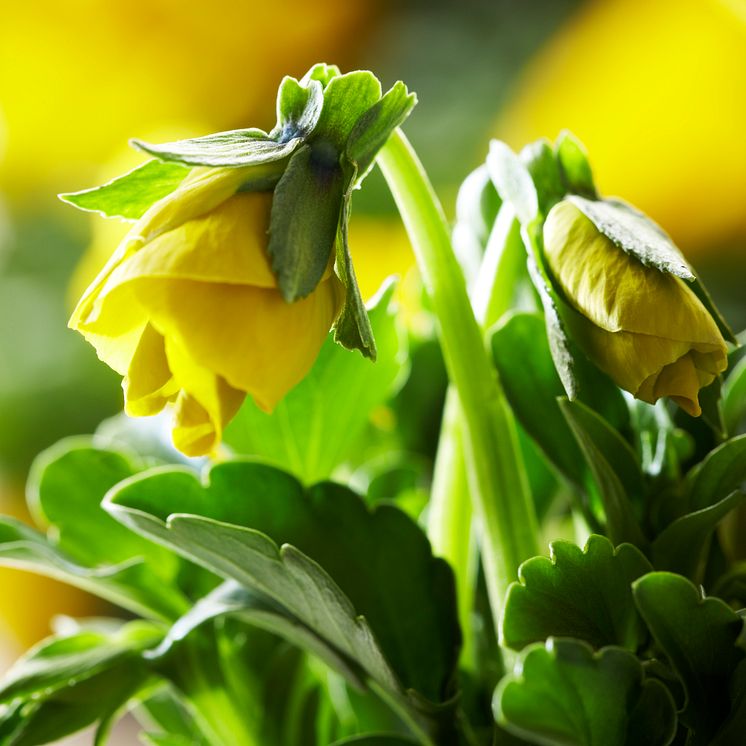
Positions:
{"x": 615, "y": 468}
{"x": 513, "y": 181}
{"x": 680, "y": 547}
{"x": 698, "y": 635}
{"x": 635, "y": 234}
{"x": 232, "y": 149}
{"x": 374, "y": 127}
{"x": 582, "y": 594}
{"x": 130, "y": 585}
{"x": 380, "y": 561}
{"x": 574, "y": 166}
{"x": 721, "y": 472}
{"x": 129, "y": 196}
{"x": 352, "y": 329}
{"x": 329, "y": 407}
{"x": 564, "y": 694}
{"x": 303, "y": 225}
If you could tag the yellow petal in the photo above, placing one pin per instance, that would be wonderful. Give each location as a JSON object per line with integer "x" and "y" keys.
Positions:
{"x": 249, "y": 336}
{"x": 205, "y": 405}
{"x": 115, "y": 351}
{"x": 616, "y": 291}
{"x": 148, "y": 385}
{"x": 679, "y": 380}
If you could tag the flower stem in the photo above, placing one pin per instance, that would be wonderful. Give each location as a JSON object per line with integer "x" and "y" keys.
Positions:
{"x": 497, "y": 480}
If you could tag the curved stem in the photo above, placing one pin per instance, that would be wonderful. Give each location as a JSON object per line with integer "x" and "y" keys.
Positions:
{"x": 497, "y": 480}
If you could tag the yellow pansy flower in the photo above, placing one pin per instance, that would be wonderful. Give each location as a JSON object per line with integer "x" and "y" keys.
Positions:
{"x": 188, "y": 311}
{"x": 643, "y": 327}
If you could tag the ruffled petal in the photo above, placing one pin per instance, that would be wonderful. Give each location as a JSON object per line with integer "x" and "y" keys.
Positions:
{"x": 205, "y": 404}
{"x": 249, "y": 336}
{"x": 148, "y": 385}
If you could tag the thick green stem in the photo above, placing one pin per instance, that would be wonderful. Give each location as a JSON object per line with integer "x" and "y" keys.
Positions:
{"x": 497, "y": 480}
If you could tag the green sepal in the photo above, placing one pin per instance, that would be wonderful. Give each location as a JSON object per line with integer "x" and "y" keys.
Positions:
{"x": 304, "y": 220}
{"x": 575, "y": 168}
{"x": 636, "y": 234}
{"x": 298, "y": 109}
{"x": 322, "y": 72}
{"x": 542, "y": 165}
{"x": 232, "y": 149}
{"x": 374, "y": 127}
{"x": 129, "y": 196}
{"x": 352, "y": 329}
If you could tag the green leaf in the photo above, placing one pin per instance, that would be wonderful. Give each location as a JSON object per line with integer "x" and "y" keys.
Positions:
{"x": 380, "y": 562}
{"x": 721, "y": 472}
{"x": 698, "y": 635}
{"x": 734, "y": 398}
{"x": 582, "y": 594}
{"x": 353, "y": 328}
{"x": 346, "y": 99}
{"x": 235, "y": 148}
{"x": 574, "y": 166}
{"x": 303, "y": 226}
{"x": 614, "y": 466}
{"x": 373, "y": 128}
{"x": 66, "y": 486}
{"x": 129, "y": 196}
{"x": 564, "y": 694}
{"x": 376, "y": 740}
{"x": 62, "y": 662}
{"x": 681, "y": 546}
{"x": 513, "y": 181}
{"x": 130, "y": 585}
{"x": 636, "y": 234}
{"x": 330, "y": 407}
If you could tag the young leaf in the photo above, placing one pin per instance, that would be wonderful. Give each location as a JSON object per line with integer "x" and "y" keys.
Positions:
{"x": 513, "y": 181}
{"x": 698, "y": 635}
{"x": 563, "y": 693}
{"x": 615, "y": 469}
{"x": 380, "y": 562}
{"x": 681, "y": 545}
{"x": 329, "y": 407}
{"x": 574, "y": 166}
{"x": 129, "y": 196}
{"x": 582, "y": 594}
{"x": 304, "y": 220}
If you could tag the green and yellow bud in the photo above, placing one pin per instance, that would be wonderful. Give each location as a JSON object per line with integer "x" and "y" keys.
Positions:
{"x": 645, "y": 328}
{"x": 189, "y": 312}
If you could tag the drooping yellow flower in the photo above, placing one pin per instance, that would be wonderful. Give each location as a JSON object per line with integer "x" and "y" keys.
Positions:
{"x": 188, "y": 311}
{"x": 643, "y": 327}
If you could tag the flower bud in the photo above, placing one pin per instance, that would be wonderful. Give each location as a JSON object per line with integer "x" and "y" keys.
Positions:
{"x": 645, "y": 328}
{"x": 189, "y": 312}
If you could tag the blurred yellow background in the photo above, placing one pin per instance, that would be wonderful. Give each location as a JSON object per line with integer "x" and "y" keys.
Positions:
{"x": 655, "y": 89}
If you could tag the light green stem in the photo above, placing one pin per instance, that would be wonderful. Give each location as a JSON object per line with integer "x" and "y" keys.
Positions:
{"x": 450, "y": 517}
{"x": 497, "y": 480}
